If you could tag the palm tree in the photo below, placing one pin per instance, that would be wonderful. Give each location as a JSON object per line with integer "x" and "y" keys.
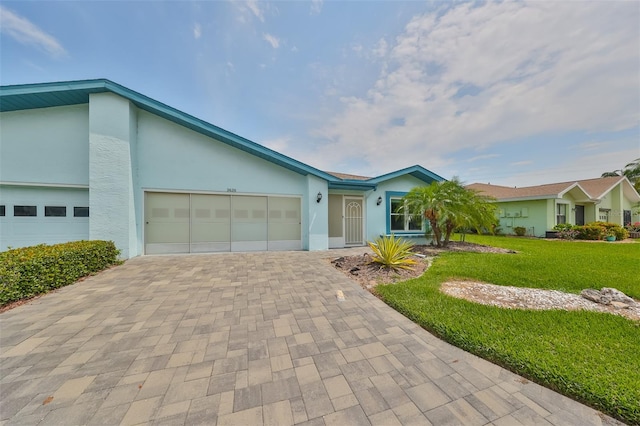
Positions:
{"x": 448, "y": 205}
{"x": 631, "y": 171}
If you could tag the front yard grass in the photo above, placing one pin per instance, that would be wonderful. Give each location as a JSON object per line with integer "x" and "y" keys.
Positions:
{"x": 591, "y": 357}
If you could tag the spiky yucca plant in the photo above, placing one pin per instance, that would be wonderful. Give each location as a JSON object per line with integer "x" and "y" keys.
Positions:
{"x": 391, "y": 252}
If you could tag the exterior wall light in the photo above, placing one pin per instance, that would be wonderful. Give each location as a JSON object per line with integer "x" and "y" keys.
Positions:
{"x": 319, "y": 197}
{"x": 379, "y": 201}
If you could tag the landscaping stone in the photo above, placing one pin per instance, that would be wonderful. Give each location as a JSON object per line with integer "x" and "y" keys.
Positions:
{"x": 620, "y": 305}
{"x": 617, "y": 296}
{"x": 595, "y": 296}
{"x": 609, "y": 296}
{"x": 537, "y": 299}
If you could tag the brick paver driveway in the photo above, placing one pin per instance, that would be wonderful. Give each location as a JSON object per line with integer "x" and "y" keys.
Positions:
{"x": 247, "y": 339}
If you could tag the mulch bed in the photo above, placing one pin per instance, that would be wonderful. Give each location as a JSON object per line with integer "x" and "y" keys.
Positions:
{"x": 368, "y": 274}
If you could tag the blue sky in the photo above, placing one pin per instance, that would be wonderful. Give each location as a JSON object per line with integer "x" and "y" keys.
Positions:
{"x": 512, "y": 93}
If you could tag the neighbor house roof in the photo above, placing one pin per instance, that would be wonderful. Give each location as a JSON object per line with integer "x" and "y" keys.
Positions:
{"x": 44, "y": 95}
{"x": 584, "y": 190}
{"x": 599, "y": 187}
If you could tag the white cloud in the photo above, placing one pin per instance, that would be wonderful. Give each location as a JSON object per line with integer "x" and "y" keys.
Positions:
{"x": 250, "y": 9}
{"x": 272, "y": 40}
{"x": 197, "y": 31}
{"x": 316, "y": 6}
{"x": 381, "y": 49}
{"x": 520, "y": 163}
{"x": 254, "y": 7}
{"x": 482, "y": 157}
{"x": 595, "y": 145}
{"x": 25, "y": 32}
{"x": 473, "y": 76}
{"x": 572, "y": 168}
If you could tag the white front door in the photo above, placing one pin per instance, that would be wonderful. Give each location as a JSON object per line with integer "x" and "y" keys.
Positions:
{"x": 353, "y": 221}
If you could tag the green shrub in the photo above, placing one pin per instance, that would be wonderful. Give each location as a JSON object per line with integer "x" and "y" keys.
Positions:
{"x": 563, "y": 227}
{"x": 614, "y": 229}
{"x": 392, "y": 252}
{"x": 590, "y": 232}
{"x": 599, "y": 230}
{"x": 520, "y": 231}
{"x": 29, "y": 271}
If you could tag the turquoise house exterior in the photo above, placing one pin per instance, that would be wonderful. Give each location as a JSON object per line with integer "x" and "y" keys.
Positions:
{"x": 539, "y": 208}
{"x": 95, "y": 160}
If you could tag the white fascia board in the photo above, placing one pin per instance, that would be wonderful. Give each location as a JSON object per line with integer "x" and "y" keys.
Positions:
{"x": 45, "y": 185}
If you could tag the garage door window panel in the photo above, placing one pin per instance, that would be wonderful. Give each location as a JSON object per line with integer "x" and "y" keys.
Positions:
{"x": 81, "y": 212}
{"x": 249, "y": 219}
{"x": 210, "y": 223}
{"x": 55, "y": 211}
{"x": 167, "y": 221}
{"x": 284, "y": 219}
{"x": 23, "y": 211}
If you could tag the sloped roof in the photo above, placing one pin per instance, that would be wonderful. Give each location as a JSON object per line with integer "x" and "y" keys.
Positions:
{"x": 44, "y": 95}
{"x": 416, "y": 171}
{"x": 592, "y": 189}
{"x": 348, "y": 176}
{"x": 509, "y": 192}
{"x": 598, "y": 187}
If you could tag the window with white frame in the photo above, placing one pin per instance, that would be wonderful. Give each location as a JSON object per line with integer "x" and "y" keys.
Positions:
{"x": 561, "y": 214}
{"x": 400, "y": 220}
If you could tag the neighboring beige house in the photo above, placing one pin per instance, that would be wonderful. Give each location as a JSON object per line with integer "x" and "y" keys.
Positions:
{"x": 540, "y": 208}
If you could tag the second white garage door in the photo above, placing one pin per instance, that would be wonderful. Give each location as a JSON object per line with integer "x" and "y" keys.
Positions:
{"x": 200, "y": 223}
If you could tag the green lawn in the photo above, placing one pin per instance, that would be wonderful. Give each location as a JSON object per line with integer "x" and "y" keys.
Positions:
{"x": 591, "y": 357}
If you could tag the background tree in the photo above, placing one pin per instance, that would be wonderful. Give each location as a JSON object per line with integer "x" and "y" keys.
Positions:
{"x": 448, "y": 205}
{"x": 631, "y": 171}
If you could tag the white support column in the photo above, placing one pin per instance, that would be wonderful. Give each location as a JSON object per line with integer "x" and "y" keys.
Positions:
{"x": 317, "y": 214}
{"x": 111, "y": 172}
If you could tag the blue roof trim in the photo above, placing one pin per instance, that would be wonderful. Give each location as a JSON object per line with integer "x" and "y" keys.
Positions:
{"x": 358, "y": 185}
{"x": 44, "y": 95}
{"x": 416, "y": 171}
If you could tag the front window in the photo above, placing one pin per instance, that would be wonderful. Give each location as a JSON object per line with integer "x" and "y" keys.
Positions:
{"x": 401, "y": 220}
{"x": 561, "y": 214}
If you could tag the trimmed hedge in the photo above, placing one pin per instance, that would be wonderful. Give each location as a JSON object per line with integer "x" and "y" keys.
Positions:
{"x": 29, "y": 271}
{"x": 613, "y": 228}
{"x": 591, "y": 231}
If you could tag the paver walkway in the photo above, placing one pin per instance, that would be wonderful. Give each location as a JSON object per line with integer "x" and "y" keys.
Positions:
{"x": 247, "y": 339}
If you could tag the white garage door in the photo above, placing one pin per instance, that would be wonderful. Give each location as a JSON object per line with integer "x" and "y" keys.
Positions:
{"x": 200, "y": 223}
{"x": 37, "y": 215}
